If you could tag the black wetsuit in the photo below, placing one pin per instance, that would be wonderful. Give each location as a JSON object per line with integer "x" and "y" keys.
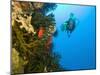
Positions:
{"x": 70, "y": 25}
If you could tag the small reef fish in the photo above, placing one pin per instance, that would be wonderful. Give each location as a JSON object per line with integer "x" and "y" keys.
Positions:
{"x": 41, "y": 32}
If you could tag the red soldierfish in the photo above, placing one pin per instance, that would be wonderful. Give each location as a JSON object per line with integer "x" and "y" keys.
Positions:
{"x": 41, "y": 32}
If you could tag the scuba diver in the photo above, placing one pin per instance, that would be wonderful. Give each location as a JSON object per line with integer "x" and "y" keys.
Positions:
{"x": 70, "y": 24}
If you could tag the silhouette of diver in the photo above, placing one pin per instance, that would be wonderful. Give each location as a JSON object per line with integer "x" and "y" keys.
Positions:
{"x": 70, "y": 24}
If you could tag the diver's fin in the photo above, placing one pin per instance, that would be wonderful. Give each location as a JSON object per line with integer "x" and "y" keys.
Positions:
{"x": 68, "y": 33}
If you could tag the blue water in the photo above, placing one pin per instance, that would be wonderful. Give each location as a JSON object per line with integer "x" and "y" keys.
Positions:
{"x": 78, "y": 51}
